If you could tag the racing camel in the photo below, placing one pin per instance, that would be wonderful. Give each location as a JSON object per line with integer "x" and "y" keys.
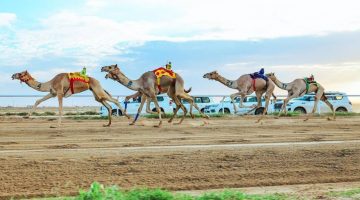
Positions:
{"x": 246, "y": 85}
{"x": 148, "y": 85}
{"x": 65, "y": 85}
{"x": 299, "y": 87}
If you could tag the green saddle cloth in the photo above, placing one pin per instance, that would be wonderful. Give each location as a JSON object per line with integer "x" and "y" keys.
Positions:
{"x": 308, "y": 82}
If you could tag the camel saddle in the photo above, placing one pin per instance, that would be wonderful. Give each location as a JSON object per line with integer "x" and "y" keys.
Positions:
{"x": 255, "y": 76}
{"x": 160, "y": 72}
{"x": 77, "y": 76}
{"x": 308, "y": 82}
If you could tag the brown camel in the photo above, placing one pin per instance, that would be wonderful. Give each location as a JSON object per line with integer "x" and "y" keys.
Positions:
{"x": 147, "y": 86}
{"x": 60, "y": 86}
{"x": 245, "y": 85}
{"x": 298, "y": 88}
{"x": 136, "y": 95}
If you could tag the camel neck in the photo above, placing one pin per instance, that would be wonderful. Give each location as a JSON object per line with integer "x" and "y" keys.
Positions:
{"x": 226, "y": 82}
{"x": 280, "y": 84}
{"x": 42, "y": 87}
{"x": 131, "y": 84}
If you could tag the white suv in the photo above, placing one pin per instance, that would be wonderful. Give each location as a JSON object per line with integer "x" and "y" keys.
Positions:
{"x": 225, "y": 106}
{"x": 165, "y": 104}
{"x": 305, "y": 104}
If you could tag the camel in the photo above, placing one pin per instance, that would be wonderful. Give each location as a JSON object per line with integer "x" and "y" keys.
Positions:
{"x": 136, "y": 95}
{"x": 147, "y": 86}
{"x": 298, "y": 88}
{"x": 60, "y": 86}
{"x": 245, "y": 85}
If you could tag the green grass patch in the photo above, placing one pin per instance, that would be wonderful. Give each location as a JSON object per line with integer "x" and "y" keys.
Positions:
{"x": 288, "y": 114}
{"x": 88, "y": 117}
{"x": 347, "y": 193}
{"x": 99, "y": 192}
{"x": 82, "y": 113}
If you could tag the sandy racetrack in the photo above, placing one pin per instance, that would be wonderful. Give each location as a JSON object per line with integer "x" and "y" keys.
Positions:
{"x": 36, "y": 160}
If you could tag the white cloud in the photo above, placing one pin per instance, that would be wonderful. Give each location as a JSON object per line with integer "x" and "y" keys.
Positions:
{"x": 7, "y": 18}
{"x": 105, "y": 28}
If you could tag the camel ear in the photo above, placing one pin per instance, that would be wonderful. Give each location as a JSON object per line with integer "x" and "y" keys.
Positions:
{"x": 115, "y": 65}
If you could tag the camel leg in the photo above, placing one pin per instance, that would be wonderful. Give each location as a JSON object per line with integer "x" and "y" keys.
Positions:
{"x": 153, "y": 97}
{"x": 118, "y": 105}
{"x": 148, "y": 110}
{"x": 129, "y": 97}
{"x": 318, "y": 95}
{"x": 109, "y": 112}
{"x": 283, "y": 107}
{"x": 178, "y": 106}
{"x": 267, "y": 99}
{"x": 232, "y": 97}
{"x": 325, "y": 100}
{"x": 189, "y": 99}
{"x": 60, "y": 99}
{"x": 48, "y": 96}
{"x": 258, "y": 98}
{"x": 139, "y": 110}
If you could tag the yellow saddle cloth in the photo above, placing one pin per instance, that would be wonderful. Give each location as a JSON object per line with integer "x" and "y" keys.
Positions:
{"x": 160, "y": 72}
{"x": 76, "y": 76}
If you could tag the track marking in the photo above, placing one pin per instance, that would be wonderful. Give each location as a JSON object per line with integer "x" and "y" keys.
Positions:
{"x": 181, "y": 147}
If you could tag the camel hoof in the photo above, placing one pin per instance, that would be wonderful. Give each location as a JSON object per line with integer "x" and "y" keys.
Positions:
{"x": 132, "y": 123}
{"x": 306, "y": 119}
{"x": 170, "y": 121}
{"x": 106, "y": 125}
{"x": 277, "y": 117}
{"x": 26, "y": 117}
{"x": 192, "y": 116}
{"x": 53, "y": 126}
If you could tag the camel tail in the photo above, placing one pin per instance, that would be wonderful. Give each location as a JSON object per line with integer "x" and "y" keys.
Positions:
{"x": 188, "y": 91}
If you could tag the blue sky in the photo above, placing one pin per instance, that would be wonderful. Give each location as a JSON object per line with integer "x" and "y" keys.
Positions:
{"x": 290, "y": 38}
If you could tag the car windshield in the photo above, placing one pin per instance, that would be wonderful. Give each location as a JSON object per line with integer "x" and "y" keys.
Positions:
{"x": 305, "y": 98}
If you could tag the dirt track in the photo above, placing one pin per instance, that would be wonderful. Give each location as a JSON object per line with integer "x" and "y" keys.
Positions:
{"x": 232, "y": 152}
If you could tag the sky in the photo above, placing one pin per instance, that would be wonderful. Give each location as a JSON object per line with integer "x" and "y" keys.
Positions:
{"x": 291, "y": 38}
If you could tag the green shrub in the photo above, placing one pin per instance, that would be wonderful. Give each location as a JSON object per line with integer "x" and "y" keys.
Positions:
{"x": 98, "y": 192}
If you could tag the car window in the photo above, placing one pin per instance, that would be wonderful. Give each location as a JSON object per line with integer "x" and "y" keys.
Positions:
{"x": 197, "y": 100}
{"x": 184, "y": 101}
{"x": 136, "y": 100}
{"x": 161, "y": 98}
{"x": 339, "y": 97}
{"x": 312, "y": 98}
{"x": 237, "y": 99}
{"x": 251, "y": 99}
{"x": 205, "y": 99}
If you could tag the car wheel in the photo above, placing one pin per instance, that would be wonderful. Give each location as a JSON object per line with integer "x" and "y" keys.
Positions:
{"x": 114, "y": 112}
{"x": 300, "y": 110}
{"x": 259, "y": 111}
{"x": 162, "y": 110}
{"x": 341, "y": 109}
{"x": 226, "y": 111}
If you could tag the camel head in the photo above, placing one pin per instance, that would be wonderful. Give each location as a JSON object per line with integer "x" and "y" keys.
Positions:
{"x": 271, "y": 76}
{"x": 22, "y": 76}
{"x": 211, "y": 75}
{"x": 110, "y": 68}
